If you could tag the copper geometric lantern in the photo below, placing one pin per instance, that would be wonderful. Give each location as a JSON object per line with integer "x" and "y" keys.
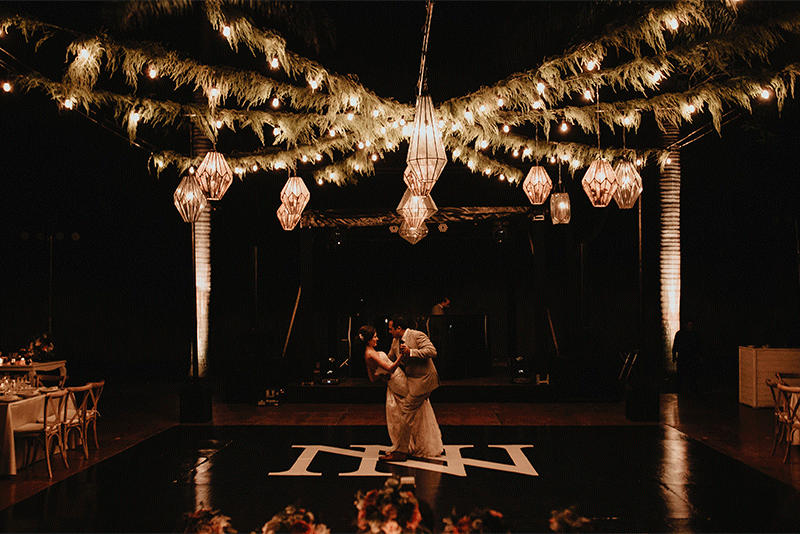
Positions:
{"x": 214, "y": 175}
{"x": 537, "y": 185}
{"x": 426, "y": 156}
{"x": 413, "y": 235}
{"x": 560, "y": 208}
{"x": 295, "y": 195}
{"x": 416, "y": 209}
{"x": 629, "y": 185}
{"x": 288, "y": 219}
{"x": 189, "y": 199}
{"x": 600, "y": 183}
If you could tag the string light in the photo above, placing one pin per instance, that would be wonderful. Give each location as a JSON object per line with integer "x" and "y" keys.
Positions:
{"x": 765, "y": 94}
{"x": 276, "y": 131}
{"x": 214, "y": 92}
{"x": 84, "y": 54}
{"x": 537, "y": 104}
{"x": 313, "y": 84}
{"x": 304, "y": 158}
{"x": 276, "y": 102}
{"x": 482, "y": 108}
{"x": 318, "y": 157}
{"x": 6, "y": 87}
{"x": 673, "y": 24}
{"x": 320, "y": 181}
{"x": 587, "y": 94}
{"x": 135, "y": 117}
{"x": 332, "y": 132}
{"x": 367, "y": 143}
{"x": 502, "y": 177}
{"x": 515, "y": 153}
{"x": 374, "y": 157}
{"x": 274, "y": 63}
{"x": 255, "y": 167}
{"x": 153, "y": 72}
{"x": 360, "y": 144}
{"x": 350, "y": 116}
{"x": 484, "y": 143}
{"x": 353, "y": 101}
{"x": 375, "y": 112}
{"x": 226, "y": 31}
{"x": 590, "y": 65}
{"x": 456, "y": 152}
{"x": 219, "y": 124}
{"x": 468, "y": 115}
{"x": 506, "y": 128}
{"x": 500, "y": 102}
{"x": 68, "y": 103}
{"x": 540, "y": 87}
{"x": 564, "y": 126}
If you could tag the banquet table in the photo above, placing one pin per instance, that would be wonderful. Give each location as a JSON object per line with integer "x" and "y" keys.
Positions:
{"x": 13, "y": 415}
{"x": 36, "y": 367}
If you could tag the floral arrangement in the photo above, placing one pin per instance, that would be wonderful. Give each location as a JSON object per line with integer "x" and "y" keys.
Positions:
{"x": 38, "y": 349}
{"x": 389, "y": 510}
{"x": 295, "y": 521}
{"x": 205, "y": 521}
{"x": 568, "y": 520}
{"x": 478, "y": 521}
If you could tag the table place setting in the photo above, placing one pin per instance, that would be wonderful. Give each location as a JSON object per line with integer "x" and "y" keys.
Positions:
{"x": 14, "y": 389}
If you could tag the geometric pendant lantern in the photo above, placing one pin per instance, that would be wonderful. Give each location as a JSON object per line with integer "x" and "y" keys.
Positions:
{"x": 426, "y": 156}
{"x": 214, "y": 175}
{"x": 560, "y": 209}
{"x": 295, "y": 195}
{"x": 288, "y": 219}
{"x": 537, "y": 185}
{"x": 600, "y": 183}
{"x": 416, "y": 209}
{"x": 189, "y": 199}
{"x": 412, "y": 235}
{"x": 629, "y": 185}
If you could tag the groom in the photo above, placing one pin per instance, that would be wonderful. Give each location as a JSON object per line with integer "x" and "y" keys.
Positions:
{"x": 415, "y": 350}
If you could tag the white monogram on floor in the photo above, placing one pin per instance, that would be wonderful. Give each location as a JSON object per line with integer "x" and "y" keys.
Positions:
{"x": 454, "y": 463}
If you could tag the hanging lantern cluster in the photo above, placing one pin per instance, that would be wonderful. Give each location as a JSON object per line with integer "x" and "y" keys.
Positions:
{"x": 629, "y": 185}
{"x": 189, "y": 199}
{"x": 415, "y": 209}
{"x": 600, "y": 183}
{"x": 426, "y": 156}
{"x": 537, "y": 185}
{"x": 412, "y": 235}
{"x": 214, "y": 175}
{"x": 294, "y": 198}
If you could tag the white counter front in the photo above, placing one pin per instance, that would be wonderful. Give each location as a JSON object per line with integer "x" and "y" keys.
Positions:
{"x": 758, "y": 364}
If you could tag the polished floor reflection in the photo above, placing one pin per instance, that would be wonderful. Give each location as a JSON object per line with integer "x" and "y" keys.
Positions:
{"x": 705, "y": 467}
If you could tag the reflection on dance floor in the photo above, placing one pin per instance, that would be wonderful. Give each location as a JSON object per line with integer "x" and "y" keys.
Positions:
{"x": 646, "y": 478}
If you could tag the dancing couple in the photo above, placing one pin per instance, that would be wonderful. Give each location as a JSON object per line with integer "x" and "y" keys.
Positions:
{"x": 410, "y": 378}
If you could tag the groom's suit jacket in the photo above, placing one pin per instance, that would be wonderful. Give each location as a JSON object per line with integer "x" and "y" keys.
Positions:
{"x": 419, "y": 368}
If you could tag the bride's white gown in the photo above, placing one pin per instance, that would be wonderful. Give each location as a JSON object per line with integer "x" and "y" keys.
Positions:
{"x": 426, "y": 437}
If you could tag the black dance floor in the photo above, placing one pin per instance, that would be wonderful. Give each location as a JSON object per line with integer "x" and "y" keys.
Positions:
{"x": 645, "y": 478}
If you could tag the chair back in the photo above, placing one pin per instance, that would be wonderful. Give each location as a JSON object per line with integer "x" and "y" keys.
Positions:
{"x": 782, "y": 377}
{"x": 791, "y": 399}
{"x": 54, "y": 404}
{"x": 94, "y": 396}
{"x": 778, "y": 402}
{"x": 75, "y": 407}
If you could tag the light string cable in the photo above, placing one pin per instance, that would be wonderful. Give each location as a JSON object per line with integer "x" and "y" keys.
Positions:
{"x": 11, "y": 68}
{"x": 422, "y": 84}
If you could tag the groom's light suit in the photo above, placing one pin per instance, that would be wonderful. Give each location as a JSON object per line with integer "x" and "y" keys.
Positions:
{"x": 422, "y": 379}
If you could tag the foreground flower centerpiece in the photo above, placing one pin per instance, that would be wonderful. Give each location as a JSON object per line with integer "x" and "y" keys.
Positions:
{"x": 205, "y": 521}
{"x": 478, "y": 521}
{"x": 295, "y": 520}
{"x": 390, "y": 510}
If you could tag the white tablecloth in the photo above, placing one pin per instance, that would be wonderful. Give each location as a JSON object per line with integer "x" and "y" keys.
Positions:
{"x": 13, "y": 415}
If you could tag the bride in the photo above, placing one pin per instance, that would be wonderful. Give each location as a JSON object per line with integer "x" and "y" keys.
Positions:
{"x": 426, "y": 437}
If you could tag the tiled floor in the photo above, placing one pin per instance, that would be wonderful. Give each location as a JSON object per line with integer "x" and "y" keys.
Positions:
{"x": 132, "y": 412}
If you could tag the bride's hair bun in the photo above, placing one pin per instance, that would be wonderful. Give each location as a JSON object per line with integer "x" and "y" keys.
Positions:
{"x": 361, "y": 337}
